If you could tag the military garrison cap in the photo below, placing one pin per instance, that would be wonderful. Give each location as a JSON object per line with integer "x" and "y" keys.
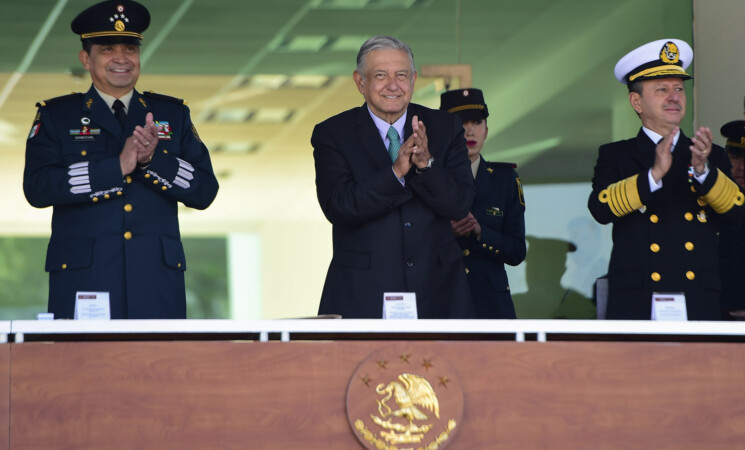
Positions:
{"x": 468, "y": 104}
{"x": 112, "y": 22}
{"x": 735, "y": 133}
{"x": 665, "y": 58}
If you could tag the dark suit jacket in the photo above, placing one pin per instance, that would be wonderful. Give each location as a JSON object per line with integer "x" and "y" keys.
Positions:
{"x": 674, "y": 235}
{"x": 388, "y": 237}
{"x": 499, "y": 208}
{"x": 112, "y": 233}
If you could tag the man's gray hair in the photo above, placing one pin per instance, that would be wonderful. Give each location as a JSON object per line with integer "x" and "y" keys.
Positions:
{"x": 381, "y": 42}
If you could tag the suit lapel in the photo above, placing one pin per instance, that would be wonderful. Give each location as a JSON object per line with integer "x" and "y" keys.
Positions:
{"x": 645, "y": 149}
{"x": 369, "y": 137}
{"x": 138, "y": 108}
{"x": 481, "y": 173}
{"x": 100, "y": 113}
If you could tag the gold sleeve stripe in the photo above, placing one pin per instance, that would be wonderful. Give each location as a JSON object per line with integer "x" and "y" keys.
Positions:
{"x": 724, "y": 194}
{"x": 622, "y": 197}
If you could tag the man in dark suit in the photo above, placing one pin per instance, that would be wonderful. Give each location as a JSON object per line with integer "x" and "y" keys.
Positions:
{"x": 391, "y": 210}
{"x": 114, "y": 164}
{"x": 663, "y": 192}
{"x": 493, "y": 232}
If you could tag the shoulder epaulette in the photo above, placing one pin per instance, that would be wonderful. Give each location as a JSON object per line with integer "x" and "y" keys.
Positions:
{"x": 167, "y": 98}
{"x": 59, "y": 99}
{"x": 502, "y": 164}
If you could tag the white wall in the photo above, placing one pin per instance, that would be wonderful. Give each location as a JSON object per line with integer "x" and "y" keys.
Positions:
{"x": 719, "y": 65}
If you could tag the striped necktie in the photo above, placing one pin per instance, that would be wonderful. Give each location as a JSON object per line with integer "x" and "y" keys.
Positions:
{"x": 394, "y": 145}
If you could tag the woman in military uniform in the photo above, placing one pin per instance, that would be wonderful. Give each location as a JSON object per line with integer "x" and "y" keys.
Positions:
{"x": 493, "y": 233}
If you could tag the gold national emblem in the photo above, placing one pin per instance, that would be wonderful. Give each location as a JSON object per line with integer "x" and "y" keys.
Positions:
{"x": 119, "y": 25}
{"x": 669, "y": 53}
{"x": 404, "y": 399}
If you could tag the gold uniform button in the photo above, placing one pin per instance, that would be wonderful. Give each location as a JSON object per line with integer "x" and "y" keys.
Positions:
{"x": 147, "y": 175}
{"x": 164, "y": 188}
{"x": 693, "y": 189}
{"x": 128, "y": 207}
{"x": 165, "y": 151}
{"x": 155, "y": 181}
{"x": 118, "y": 193}
{"x": 496, "y": 251}
{"x": 701, "y": 202}
{"x": 655, "y": 248}
{"x": 483, "y": 245}
{"x": 653, "y": 218}
{"x": 95, "y": 199}
{"x": 689, "y": 246}
{"x": 702, "y": 216}
{"x": 64, "y": 266}
{"x": 466, "y": 270}
{"x": 106, "y": 196}
{"x": 689, "y": 216}
{"x": 491, "y": 248}
{"x": 83, "y": 153}
{"x": 127, "y": 235}
{"x": 466, "y": 252}
{"x": 656, "y": 276}
{"x": 179, "y": 265}
{"x": 129, "y": 179}
{"x": 690, "y": 275}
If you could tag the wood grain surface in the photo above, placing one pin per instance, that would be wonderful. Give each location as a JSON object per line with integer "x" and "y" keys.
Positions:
{"x": 4, "y": 396}
{"x": 250, "y": 395}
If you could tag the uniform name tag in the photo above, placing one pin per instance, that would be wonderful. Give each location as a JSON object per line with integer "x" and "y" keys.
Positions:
{"x": 669, "y": 306}
{"x": 399, "y": 305}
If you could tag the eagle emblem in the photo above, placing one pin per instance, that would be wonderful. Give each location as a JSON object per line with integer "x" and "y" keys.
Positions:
{"x": 410, "y": 392}
{"x": 402, "y": 398}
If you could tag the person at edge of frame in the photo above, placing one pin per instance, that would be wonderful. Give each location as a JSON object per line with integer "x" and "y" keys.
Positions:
{"x": 114, "y": 163}
{"x": 663, "y": 192}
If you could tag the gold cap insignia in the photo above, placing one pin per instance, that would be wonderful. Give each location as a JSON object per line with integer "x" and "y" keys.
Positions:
{"x": 402, "y": 397}
{"x": 669, "y": 53}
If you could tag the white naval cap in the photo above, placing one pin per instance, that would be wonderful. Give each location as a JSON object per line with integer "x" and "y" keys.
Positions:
{"x": 664, "y": 58}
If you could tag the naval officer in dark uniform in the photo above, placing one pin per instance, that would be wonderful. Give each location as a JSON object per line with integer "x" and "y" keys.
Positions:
{"x": 114, "y": 163}
{"x": 663, "y": 192}
{"x": 493, "y": 232}
{"x": 732, "y": 236}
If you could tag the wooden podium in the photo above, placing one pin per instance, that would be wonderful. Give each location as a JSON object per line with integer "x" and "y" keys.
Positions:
{"x": 283, "y": 384}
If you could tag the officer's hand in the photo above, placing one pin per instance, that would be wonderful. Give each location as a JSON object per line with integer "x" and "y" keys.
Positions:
{"x": 476, "y": 228}
{"x": 146, "y": 139}
{"x": 701, "y": 149}
{"x": 464, "y": 226}
{"x": 663, "y": 156}
{"x": 128, "y": 156}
